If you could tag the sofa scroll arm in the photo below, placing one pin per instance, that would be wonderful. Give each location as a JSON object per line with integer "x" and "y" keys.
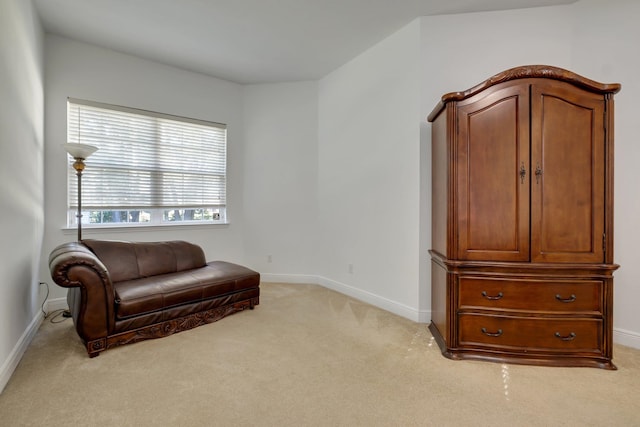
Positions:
{"x": 91, "y": 294}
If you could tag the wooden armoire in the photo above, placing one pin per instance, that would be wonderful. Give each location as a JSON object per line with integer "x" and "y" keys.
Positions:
{"x": 522, "y": 219}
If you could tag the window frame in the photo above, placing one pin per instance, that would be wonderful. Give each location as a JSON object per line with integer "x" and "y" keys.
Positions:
{"x": 217, "y": 212}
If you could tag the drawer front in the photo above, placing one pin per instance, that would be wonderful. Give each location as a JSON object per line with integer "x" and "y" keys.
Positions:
{"x": 530, "y": 333}
{"x": 530, "y": 295}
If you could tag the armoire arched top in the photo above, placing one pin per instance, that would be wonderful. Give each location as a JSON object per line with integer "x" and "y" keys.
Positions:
{"x": 527, "y": 72}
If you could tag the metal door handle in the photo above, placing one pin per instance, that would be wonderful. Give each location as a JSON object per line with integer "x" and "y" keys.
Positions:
{"x": 538, "y": 173}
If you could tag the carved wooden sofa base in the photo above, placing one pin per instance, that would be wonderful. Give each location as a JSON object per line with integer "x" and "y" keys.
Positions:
{"x": 169, "y": 327}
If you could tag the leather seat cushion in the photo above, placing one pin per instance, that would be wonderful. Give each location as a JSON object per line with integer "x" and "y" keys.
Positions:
{"x": 149, "y": 294}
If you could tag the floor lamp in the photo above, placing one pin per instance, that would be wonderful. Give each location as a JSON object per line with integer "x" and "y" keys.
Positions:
{"x": 79, "y": 152}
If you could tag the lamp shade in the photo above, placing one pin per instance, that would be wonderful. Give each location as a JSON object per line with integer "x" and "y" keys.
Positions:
{"x": 79, "y": 151}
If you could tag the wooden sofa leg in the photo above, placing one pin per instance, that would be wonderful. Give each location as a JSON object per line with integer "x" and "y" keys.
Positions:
{"x": 95, "y": 347}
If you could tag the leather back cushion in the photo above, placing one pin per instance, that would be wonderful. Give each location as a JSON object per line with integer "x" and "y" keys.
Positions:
{"x": 133, "y": 260}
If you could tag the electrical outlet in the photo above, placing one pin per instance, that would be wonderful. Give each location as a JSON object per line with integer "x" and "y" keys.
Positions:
{"x": 269, "y": 259}
{"x": 350, "y": 268}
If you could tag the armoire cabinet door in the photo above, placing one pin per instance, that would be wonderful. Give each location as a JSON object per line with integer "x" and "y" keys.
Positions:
{"x": 568, "y": 167}
{"x": 492, "y": 174}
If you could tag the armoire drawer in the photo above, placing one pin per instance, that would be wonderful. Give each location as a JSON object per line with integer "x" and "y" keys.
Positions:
{"x": 530, "y": 333}
{"x": 530, "y": 295}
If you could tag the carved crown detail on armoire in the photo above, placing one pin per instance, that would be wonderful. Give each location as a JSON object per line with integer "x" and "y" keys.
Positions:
{"x": 522, "y": 220}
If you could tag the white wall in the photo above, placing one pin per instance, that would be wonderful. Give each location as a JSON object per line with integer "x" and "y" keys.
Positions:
{"x": 592, "y": 38}
{"x": 369, "y": 175}
{"x": 21, "y": 192}
{"x": 79, "y": 70}
{"x": 281, "y": 158}
{"x": 460, "y": 51}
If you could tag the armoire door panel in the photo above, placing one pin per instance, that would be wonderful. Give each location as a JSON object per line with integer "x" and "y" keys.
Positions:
{"x": 493, "y": 196}
{"x": 567, "y": 146}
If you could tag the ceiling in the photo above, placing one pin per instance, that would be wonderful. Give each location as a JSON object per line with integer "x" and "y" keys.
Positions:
{"x": 249, "y": 41}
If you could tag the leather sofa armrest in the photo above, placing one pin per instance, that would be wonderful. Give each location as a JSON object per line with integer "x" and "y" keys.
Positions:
{"x": 73, "y": 265}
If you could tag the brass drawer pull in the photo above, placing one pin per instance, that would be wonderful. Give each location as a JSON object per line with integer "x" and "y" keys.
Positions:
{"x": 572, "y": 298}
{"x": 491, "y": 297}
{"x": 569, "y": 337}
{"x": 491, "y": 334}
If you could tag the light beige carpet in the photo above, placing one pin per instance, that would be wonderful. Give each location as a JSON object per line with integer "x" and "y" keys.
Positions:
{"x": 306, "y": 356}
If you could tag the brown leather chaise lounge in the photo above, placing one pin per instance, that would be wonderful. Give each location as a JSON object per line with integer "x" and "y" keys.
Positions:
{"x": 124, "y": 292}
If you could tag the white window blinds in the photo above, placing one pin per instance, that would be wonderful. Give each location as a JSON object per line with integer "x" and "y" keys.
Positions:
{"x": 146, "y": 159}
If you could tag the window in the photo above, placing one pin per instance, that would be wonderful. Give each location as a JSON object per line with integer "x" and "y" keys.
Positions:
{"x": 150, "y": 168}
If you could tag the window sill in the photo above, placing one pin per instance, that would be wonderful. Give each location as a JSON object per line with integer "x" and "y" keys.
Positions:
{"x": 154, "y": 228}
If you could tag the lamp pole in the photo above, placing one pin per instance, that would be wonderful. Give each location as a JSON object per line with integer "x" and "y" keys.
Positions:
{"x": 78, "y": 165}
{"x": 79, "y": 152}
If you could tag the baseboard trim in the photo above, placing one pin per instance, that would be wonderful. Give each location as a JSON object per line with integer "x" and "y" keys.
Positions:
{"x": 371, "y": 298}
{"x": 420, "y": 316}
{"x": 55, "y": 304}
{"x": 626, "y": 338}
{"x": 9, "y": 366}
{"x": 290, "y": 278}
